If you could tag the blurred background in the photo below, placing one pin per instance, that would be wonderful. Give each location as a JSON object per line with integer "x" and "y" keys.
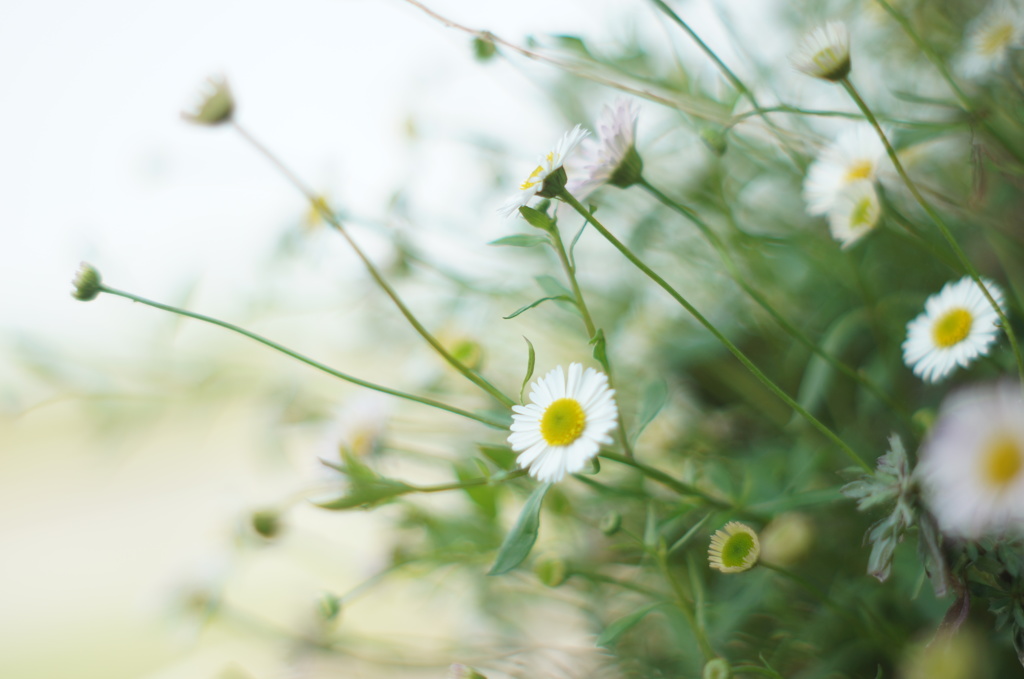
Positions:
{"x": 135, "y": 446}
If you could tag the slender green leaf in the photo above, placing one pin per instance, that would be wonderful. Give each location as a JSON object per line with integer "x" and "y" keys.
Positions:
{"x": 619, "y": 627}
{"x": 530, "y": 361}
{"x": 502, "y": 456}
{"x": 654, "y": 399}
{"x": 521, "y": 240}
{"x": 536, "y": 218}
{"x": 519, "y": 541}
{"x": 600, "y": 349}
{"x": 560, "y": 298}
{"x": 367, "y": 494}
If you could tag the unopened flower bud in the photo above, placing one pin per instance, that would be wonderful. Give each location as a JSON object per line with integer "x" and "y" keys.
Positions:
{"x": 266, "y": 523}
{"x": 460, "y": 671}
{"x": 216, "y": 105}
{"x": 87, "y": 283}
{"x": 328, "y": 606}
{"x": 552, "y": 571}
{"x": 610, "y": 523}
{"x": 717, "y": 668}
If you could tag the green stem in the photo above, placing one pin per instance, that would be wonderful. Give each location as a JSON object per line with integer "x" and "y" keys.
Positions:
{"x": 685, "y": 604}
{"x": 733, "y": 349}
{"x": 333, "y": 220}
{"x": 305, "y": 359}
{"x": 588, "y": 322}
{"x": 731, "y": 77}
{"x": 965, "y": 101}
{"x": 661, "y": 477}
{"x": 791, "y": 329}
{"x": 926, "y": 206}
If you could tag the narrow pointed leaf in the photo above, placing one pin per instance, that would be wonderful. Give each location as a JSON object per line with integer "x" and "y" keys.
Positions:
{"x": 519, "y": 541}
{"x": 619, "y": 627}
{"x": 559, "y": 298}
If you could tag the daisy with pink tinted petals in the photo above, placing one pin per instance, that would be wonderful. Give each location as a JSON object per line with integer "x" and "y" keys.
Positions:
{"x": 971, "y": 466}
{"x": 567, "y": 421}
{"x": 613, "y": 158}
{"x": 550, "y": 164}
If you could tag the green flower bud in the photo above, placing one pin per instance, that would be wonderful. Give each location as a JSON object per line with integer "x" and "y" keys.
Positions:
{"x": 717, "y": 668}
{"x": 610, "y": 523}
{"x": 484, "y": 49}
{"x": 267, "y": 523}
{"x": 87, "y": 284}
{"x": 328, "y": 606}
{"x": 714, "y": 139}
{"x": 216, "y": 106}
{"x": 460, "y": 671}
{"x": 552, "y": 571}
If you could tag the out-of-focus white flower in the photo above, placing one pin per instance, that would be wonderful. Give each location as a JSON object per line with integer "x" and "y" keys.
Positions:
{"x": 990, "y": 37}
{"x": 856, "y": 154}
{"x": 958, "y": 325}
{"x": 356, "y": 428}
{"x": 216, "y": 105}
{"x": 565, "y": 424}
{"x": 549, "y": 164}
{"x": 854, "y": 213}
{"x": 971, "y": 466}
{"x": 613, "y": 158}
{"x": 824, "y": 52}
{"x": 734, "y": 548}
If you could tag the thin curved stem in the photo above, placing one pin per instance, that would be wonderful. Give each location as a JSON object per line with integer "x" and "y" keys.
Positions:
{"x": 588, "y": 322}
{"x": 305, "y": 359}
{"x": 732, "y": 78}
{"x": 791, "y": 329}
{"x": 733, "y": 349}
{"x": 378, "y": 278}
{"x": 939, "y": 222}
{"x": 965, "y": 101}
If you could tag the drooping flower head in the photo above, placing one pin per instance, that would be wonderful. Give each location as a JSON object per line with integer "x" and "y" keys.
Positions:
{"x": 854, "y": 213}
{"x": 613, "y": 158}
{"x": 825, "y": 52}
{"x": 971, "y": 466}
{"x": 856, "y": 154}
{"x": 958, "y": 325}
{"x": 565, "y": 424}
{"x": 550, "y": 164}
{"x": 87, "y": 283}
{"x": 990, "y": 37}
{"x": 734, "y": 548}
{"x": 216, "y": 104}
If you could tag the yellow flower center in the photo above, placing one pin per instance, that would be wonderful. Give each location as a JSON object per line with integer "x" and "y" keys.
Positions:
{"x": 736, "y": 550}
{"x": 996, "y": 39}
{"x": 952, "y": 327}
{"x": 1003, "y": 461}
{"x": 563, "y": 422}
{"x": 532, "y": 180}
{"x": 859, "y": 170}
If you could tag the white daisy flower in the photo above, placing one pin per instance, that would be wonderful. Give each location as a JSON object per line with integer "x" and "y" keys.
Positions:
{"x": 824, "y": 52}
{"x": 855, "y": 212}
{"x": 972, "y": 464}
{"x": 613, "y": 159}
{"x": 734, "y": 548}
{"x": 565, "y": 424}
{"x": 990, "y": 37}
{"x": 549, "y": 164}
{"x": 958, "y": 325}
{"x": 856, "y": 154}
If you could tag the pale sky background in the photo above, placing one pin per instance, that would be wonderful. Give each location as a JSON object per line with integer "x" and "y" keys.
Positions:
{"x": 96, "y": 165}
